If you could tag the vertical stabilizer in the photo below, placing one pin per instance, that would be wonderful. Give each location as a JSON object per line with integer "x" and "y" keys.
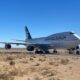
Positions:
{"x": 28, "y": 35}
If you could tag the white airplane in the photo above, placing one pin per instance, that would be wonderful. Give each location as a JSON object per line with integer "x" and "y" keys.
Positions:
{"x": 65, "y": 40}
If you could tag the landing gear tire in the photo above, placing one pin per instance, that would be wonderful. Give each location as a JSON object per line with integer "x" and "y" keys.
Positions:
{"x": 55, "y": 51}
{"x": 71, "y": 51}
{"x": 39, "y": 52}
{"x": 46, "y": 52}
{"x": 78, "y": 52}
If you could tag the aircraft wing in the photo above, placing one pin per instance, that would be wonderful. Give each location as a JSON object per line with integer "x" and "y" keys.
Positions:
{"x": 39, "y": 46}
{"x": 13, "y": 43}
{"x": 19, "y": 40}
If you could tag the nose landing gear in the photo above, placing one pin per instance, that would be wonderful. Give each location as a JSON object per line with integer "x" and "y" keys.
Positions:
{"x": 71, "y": 51}
{"x": 78, "y": 52}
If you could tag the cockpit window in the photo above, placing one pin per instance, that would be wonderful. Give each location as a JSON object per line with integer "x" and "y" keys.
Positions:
{"x": 72, "y": 33}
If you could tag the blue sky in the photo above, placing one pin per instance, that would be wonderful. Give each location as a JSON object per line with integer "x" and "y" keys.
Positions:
{"x": 43, "y": 17}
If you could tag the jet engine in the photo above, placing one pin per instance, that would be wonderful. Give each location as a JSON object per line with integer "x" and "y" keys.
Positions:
{"x": 7, "y": 46}
{"x": 30, "y": 48}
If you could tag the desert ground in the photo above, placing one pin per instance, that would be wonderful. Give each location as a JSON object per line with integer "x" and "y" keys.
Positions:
{"x": 24, "y": 66}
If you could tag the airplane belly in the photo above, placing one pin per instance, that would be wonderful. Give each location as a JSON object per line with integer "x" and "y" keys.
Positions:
{"x": 70, "y": 44}
{"x": 64, "y": 44}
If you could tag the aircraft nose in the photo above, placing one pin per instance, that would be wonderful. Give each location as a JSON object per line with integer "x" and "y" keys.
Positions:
{"x": 77, "y": 36}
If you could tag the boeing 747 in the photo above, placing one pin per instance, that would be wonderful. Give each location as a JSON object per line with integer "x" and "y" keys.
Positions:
{"x": 65, "y": 40}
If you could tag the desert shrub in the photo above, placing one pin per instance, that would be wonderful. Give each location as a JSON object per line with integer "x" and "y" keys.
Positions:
{"x": 34, "y": 56}
{"x": 31, "y": 59}
{"x": 64, "y": 61}
{"x": 5, "y": 76}
{"x": 37, "y": 64}
{"x": 24, "y": 61}
{"x": 54, "y": 63}
{"x": 54, "y": 78}
{"x": 37, "y": 78}
{"x": 57, "y": 58}
{"x": 48, "y": 73}
{"x": 70, "y": 67}
{"x": 12, "y": 62}
{"x": 10, "y": 57}
{"x": 16, "y": 72}
{"x": 42, "y": 59}
{"x": 51, "y": 63}
{"x": 28, "y": 79}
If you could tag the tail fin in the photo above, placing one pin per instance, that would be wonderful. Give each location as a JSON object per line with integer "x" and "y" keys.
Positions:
{"x": 28, "y": 35}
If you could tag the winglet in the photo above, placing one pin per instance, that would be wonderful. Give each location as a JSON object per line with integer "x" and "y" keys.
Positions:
{"x": 28, "y": 35}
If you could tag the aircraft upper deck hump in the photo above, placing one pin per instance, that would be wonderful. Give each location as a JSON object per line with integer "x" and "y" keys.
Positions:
{"x": 63, "y": 36}
{"x": 62, "y": 33}
{"x": 28, "y": 35}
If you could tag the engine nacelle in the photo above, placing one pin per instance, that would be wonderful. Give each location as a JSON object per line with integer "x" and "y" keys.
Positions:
{"x": 30, "y": 48}
{"x": 7, "y": 46}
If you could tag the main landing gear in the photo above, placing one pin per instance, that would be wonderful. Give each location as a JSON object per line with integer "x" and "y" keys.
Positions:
{"x": 78, "y": 52}
{"x": 72, "y": 51}
{"x": 55, "y": 51}
{"x": 42, "y": 51}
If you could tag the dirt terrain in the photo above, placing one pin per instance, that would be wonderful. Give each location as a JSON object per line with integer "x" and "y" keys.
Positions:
{"x": 23, "y": 66}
